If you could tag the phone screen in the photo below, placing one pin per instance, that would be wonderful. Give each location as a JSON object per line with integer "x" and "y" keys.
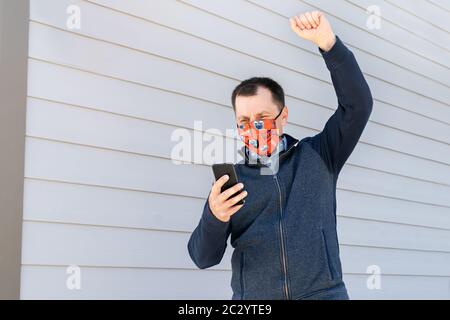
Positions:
{"x": 227, "y": 169}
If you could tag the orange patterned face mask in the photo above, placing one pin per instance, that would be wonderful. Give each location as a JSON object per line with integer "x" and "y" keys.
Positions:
{"x": 260, "y": 136}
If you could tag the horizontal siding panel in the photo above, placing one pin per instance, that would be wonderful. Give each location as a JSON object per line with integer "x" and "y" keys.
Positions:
{"x": 125, "y": 98}
{"x": 404, "y": 20}
{"x": 137, "y": 67}
{"x": 43, "y": 282}
{"x": 256, "y": 18}
{"x": 88, "y": 204}
{"x": 84, "y": 204}
{"x": 65, "y": 244}
{"x": 367, "y": 233}
{"x": 357, "y": 260}
{"x": 422, "y": 9}
{"x": 80, "y": 164}
{"x": 364, "y": 180}
{"x": 182, "y": 47}
{"x": 368, "y": 206}
{"x": 63, "y": 122}
{"x": 122, "y": 97}
{"x": 356, "y": 36}
{"x": 48, "y": 282}
{"x": 75, "y": 50}
{"x": 441, "y": 4}
{"x": 430, "y": 148}
{"x": 193, "y": 51}
{"x": 399, "y": 288}
{"x": 388, "y": 31}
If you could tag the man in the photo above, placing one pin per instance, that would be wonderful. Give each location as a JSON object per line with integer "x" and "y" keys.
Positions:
{"x": 284, "y": 236}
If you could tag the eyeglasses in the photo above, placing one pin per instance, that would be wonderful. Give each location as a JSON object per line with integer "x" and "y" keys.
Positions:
{"x": 265, "y": 124}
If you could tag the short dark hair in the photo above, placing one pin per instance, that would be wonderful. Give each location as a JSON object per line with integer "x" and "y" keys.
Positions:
{"x": 250, "y": 86}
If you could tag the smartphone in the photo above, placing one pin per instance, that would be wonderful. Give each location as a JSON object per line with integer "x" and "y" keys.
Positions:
{"x": 222, "y": 169}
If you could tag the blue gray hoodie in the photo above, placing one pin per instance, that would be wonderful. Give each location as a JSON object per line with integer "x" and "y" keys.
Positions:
{"x": 284, "y": 237}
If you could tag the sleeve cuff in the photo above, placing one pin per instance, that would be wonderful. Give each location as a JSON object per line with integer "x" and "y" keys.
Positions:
{"x": 336, "y": 55}
{"x": 210, "y": 219}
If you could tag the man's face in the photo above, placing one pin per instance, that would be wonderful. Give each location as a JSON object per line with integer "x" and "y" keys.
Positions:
{"x": 259, "y": 107}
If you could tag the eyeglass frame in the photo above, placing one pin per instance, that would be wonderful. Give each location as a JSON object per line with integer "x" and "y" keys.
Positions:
{"x": 264, "y": 121}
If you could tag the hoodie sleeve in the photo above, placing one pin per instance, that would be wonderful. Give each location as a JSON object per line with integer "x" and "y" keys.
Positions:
{"x": 343, "y": 129}
{"x": 208, "y": 242}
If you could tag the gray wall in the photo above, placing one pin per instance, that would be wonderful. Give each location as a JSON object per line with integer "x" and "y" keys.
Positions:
{"x": 101, "y": 191}
{"x": 13, "y": 89}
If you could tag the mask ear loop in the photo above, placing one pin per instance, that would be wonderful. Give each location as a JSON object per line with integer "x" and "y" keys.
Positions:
{"x": 279, "y": 113}
{"x": 270, "y": 130}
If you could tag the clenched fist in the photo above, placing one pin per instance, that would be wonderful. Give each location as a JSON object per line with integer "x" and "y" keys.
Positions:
{"x": 314, "y": 26}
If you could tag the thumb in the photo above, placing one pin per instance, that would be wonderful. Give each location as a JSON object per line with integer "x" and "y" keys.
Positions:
{"x": 318, "y": 16}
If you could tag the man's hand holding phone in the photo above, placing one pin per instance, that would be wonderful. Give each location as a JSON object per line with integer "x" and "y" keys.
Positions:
{"x": 222, "y": 204}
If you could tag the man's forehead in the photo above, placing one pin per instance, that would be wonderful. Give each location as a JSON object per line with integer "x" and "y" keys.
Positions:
{"x": 248, "y": 110}
{"x": 262, "y": 94}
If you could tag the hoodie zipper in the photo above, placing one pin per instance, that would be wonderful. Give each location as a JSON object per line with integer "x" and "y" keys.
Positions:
{"x": 283, "y": 253}
{"x": 283, "y": 250}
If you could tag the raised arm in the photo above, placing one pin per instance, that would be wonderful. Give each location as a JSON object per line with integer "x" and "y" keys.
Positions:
{"x": 343, "y": 129}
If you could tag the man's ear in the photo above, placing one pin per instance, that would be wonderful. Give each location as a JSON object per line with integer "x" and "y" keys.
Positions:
{"x": 285, "y": 116}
